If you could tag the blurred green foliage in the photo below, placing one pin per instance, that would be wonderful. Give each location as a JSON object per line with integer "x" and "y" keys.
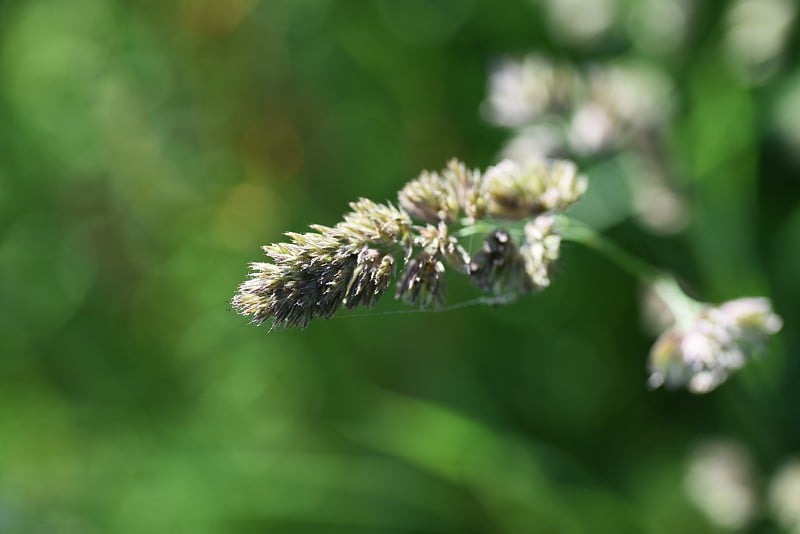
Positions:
{"x": 147, "y": 149}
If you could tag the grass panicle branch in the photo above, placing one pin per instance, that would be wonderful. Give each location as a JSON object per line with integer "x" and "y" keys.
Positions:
{"x": 353, "y": 262}
{"x": 518, "y": 212}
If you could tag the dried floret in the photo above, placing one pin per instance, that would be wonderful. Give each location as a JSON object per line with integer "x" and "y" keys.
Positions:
{"x": 498, "y": 267}
{"x": 422, "y": 281}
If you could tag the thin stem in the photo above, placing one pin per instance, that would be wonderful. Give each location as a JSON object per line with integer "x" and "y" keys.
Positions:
{"x": 572, "y": 230}
{"x": 683, "y": 308}
{"x": 478, "y": 301}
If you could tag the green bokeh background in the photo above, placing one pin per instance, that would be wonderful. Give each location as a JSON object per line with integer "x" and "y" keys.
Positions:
{"x": 147, "y": 150}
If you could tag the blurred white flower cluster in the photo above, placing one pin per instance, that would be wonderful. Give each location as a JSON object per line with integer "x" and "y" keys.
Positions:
{"x": 701, "y": 352}
{"x": 654, "y": 26}
{"x": 522, "y": 91}
{"x": 784, "y": 496}
{"x": 722, "y": 482}
{"x": 756, "y": 35}
{"x": 557, "y": 108}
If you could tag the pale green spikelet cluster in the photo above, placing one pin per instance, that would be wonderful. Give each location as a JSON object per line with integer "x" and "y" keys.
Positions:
{"x": 318, "y": 272}
{"x": 445, "y": 195}
{"x": 353, "y": 262}
{"x": 423, "y": 280}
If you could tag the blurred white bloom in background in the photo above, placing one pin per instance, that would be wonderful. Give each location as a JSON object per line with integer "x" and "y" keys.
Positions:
{"x": 520, "y": 91}
{"x": 706, "y": 345}
{"x": 580, "y": 21}
{"x": 534, "y": 143}
{"x": 784, "y": 496}
{"x": 657, "y": 205}
{"x": 591, "y": 129}
{"x": 720, "y": 482}
{"x": 659, "y": 26}
{"x": 622, "y": 101}
{"x": 604, "y": 106}
{"x": 557, "y": 110}
{"x": 756, "y": 35}
{"x": 635, "y": 95}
